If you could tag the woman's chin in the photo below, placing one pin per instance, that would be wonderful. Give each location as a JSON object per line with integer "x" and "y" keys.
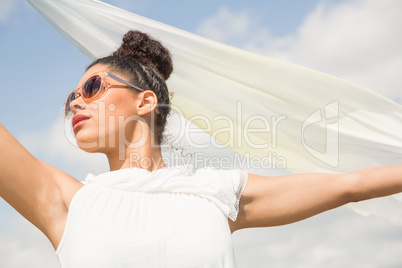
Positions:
{"x": 92, "y": 146}
{"x": 90, "y": 150}
{"x": 89, "y": 147}
{"x": 87, "y": 143}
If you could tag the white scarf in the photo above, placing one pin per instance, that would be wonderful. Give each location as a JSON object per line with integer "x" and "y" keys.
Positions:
{"x": 235, "y": 90}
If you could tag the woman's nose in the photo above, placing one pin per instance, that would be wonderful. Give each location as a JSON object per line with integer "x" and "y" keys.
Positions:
{"x": 77, "y": 104}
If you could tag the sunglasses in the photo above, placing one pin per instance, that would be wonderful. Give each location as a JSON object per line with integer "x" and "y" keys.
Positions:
{"x": 95, "y": 87}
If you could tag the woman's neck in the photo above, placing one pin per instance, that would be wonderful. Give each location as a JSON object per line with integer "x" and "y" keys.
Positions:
{"x": 145, "y": 157}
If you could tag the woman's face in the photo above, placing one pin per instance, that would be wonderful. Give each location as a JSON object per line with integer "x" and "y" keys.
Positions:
{"x": 116, "y": 118}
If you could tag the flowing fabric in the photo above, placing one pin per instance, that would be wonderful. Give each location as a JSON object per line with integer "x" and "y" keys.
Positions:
{"x": 261, "y": 108}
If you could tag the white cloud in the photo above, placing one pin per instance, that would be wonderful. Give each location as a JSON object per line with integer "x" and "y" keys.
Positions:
{"x": 337, "y": 238}
{"x": 56, "y": 144}
{"x": 226, "y": 26}
{"x": 6, "y": 9}
{"x": 358, "y": 40}
{"x": 22, "y": 245}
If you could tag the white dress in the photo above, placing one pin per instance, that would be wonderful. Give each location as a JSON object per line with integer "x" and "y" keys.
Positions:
{"x": 171, "y": 217}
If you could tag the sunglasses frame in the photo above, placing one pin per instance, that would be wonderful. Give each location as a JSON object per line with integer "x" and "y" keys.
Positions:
{"x": 104, "y": 87}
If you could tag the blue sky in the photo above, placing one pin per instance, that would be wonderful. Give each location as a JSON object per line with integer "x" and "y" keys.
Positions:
{"x": 357, "y": 40}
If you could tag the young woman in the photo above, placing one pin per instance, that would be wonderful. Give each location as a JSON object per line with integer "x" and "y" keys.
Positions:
{"x": 143, "y": 213}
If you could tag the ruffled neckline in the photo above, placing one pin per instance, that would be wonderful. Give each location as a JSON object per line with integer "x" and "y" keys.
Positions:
{"x": 135, "y": 178}
{"x": 217, "y": 186}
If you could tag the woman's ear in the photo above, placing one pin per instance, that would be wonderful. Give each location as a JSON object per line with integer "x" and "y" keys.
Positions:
{"x": 148, "y": 102}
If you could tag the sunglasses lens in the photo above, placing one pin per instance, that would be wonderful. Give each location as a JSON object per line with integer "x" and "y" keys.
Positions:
{"x": 67, "y": 108}
{"x": 92, "y": 87}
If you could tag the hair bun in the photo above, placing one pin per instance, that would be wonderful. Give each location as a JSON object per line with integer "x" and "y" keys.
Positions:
{"x": 145, "y": 49}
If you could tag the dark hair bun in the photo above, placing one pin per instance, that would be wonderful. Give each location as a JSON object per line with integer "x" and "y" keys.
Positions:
{"x": 146, "y": 50}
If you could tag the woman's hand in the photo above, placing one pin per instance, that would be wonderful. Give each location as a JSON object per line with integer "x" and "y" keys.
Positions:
{"x": 271, "y": 201}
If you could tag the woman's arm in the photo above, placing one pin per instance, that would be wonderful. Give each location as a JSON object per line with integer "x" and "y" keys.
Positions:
{"x": 38, "y": 191}
{"x": 271, "y": 201}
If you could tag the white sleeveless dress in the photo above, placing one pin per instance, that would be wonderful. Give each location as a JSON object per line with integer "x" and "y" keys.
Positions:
{"x": 171, "y": 217}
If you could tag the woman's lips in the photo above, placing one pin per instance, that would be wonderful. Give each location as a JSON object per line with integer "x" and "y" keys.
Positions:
{"x": 78, "y": 120}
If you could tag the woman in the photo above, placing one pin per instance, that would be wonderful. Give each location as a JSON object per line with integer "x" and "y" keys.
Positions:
{"x": 143, "y": 213}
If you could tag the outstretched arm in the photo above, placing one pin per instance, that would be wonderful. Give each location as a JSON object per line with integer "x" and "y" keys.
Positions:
{"x": 38, "y": 191}
{"x": 271, "y": 201}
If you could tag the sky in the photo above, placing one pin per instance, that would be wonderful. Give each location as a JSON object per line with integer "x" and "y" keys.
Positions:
{"x": 356, "y": 40}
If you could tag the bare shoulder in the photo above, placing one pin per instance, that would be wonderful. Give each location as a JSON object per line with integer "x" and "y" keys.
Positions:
{"x": 249, "y": 195}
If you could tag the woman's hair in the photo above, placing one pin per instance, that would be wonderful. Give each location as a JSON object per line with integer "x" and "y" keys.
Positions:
{"x": 146, "y": 63}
